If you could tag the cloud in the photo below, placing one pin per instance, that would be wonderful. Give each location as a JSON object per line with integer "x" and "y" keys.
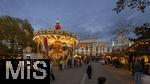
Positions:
{"x": 84, "y": 17}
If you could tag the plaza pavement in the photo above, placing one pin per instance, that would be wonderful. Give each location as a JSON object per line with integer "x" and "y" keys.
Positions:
{"x": 78, "y": 76}
{"x": 112, "y": 74}
{"x": 68, "y": 76}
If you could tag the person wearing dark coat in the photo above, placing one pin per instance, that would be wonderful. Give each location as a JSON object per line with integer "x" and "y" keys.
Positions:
{"x": 143, "y": 65}
{"x": 89, "y": 71}
{"x": 51, "y": 71}
{"x": 138, "y": 71}
{"x": 133, "y": 70}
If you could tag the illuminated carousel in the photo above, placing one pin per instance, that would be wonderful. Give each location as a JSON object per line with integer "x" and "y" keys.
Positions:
{"x": 55, "y": 43}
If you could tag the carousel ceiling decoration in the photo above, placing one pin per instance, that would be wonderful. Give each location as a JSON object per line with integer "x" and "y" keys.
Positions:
{"x": 53, "y": 41}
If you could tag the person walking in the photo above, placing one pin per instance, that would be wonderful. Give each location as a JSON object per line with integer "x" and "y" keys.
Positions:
{"x": 138, "y": 71}
{"x": 89, "y": 71}
{"x": 60, "y": 65}
{"x": 143, "y": 64}
{"x": 103, "y": 62}
{"x": 51, "y": 71}
{"x": 133, "y": 68}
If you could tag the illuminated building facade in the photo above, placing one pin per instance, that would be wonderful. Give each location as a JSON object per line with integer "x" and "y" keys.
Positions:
{"x": 93, "y": 47}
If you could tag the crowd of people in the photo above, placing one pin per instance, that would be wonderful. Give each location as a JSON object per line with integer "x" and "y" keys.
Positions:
{"x": 138, "y": 67}
{"x": 70, "y": 63}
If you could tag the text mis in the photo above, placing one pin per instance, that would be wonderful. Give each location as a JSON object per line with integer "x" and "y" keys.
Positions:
{"x": 26, "y": 70}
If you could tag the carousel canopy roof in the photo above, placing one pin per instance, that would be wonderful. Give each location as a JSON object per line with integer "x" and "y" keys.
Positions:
{"x": 55, "y": 34}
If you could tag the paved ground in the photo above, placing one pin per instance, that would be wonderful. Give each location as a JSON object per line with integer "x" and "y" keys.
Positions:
{"x": 77, "y": 75}
{"x": 69, "y": 76}
{"x": 113, "y": 75}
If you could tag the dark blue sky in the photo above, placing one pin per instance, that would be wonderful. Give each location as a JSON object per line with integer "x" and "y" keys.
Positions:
{"x": 84, "y": 17}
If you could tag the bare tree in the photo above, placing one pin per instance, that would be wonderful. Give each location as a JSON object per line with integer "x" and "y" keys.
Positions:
{"x": 121, "y": 34}
{"x": 140, "y": 5}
